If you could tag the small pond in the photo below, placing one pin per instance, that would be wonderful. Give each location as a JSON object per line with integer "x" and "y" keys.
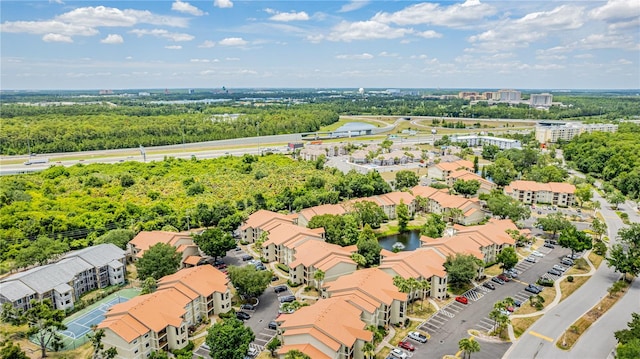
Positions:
{"x": 410, "y": 240}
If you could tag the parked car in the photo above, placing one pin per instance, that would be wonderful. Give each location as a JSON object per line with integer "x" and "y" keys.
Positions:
{"x": 242, "y": 315}
{"x": 261, "y": 267}
{"x": 531, "y": 259}
{"x": 512, "y": 272}
{"x": 574, "y": 256}
{"x": 549, "y": 245}
{"x": 566, "y": 261}
{"x": 559, "y": 268}
{"x": 510, "y": 309}
{"x": 462, "y": 300}
{"x": 537, "y": 254}
{"x": 532, "y": 288}
{"x": 488, "y": 285}
{"x": 248, "y": 307}
{"x": 497, "y": 280}
{"x": 407, "y": 345}
{"x": 399, "y": 353}
{"x": 246, "y": 257}
{"x": 287, "y": 299}
{"x": 503, "y": 277}
{"x": 280, "y": 288}
{"x": 273, "y": 325}
{"x": 554, "y": 272}
{"x": 517, "y": 303}
{"x": 253, "y": 352}
{"x": 417, "y": 336}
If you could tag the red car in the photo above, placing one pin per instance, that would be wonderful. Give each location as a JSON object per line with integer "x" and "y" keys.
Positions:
{"x": 462, "y": 300}
{"x": 406, "y": 345}
{"x": 511, "y": 309}
{"x": 504, "y": 277}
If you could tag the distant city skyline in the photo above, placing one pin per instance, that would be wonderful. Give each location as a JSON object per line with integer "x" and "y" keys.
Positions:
{"x": 59, "y": 44}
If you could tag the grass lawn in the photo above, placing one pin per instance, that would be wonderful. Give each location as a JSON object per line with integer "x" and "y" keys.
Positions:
{"x": 520, "y": 325}
{"x": 567, "y": 288}
{"x": 572, "y": 334}
{"x": 425, "y": 312}
{"x": 402, "y": 332}
{"x": 383, "y": 353}
{"x": 459, "y": 291}
{"x": 595, "y": 259}
{"x": 33, "y": 351}
{"x": 494, "y": 270}
{"x": 575, "y": 270}
{"x": 548, "y": 294}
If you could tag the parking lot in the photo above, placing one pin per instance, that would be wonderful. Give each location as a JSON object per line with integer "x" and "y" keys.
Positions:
{"x": 452, "y": 322}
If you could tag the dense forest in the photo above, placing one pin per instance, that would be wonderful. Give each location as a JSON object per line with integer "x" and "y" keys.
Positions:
{"x": 77, "y": 204}
{"x": 613, "y": 157}
{"x": 126, "y": 122}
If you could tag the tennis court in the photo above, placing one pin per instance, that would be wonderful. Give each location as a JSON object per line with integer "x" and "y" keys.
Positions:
{"x": 79, "y": 324}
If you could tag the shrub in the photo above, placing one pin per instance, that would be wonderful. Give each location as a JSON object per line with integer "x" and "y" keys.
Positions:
{"x": 227, "y": 315}
{"x": 283, "y": 267}
{"x": 600, "y": 248}
{"x": 293, "y": 285}
{"x": 545, "y": 282}
{"x": 570, "y": 279}
{"x": 581, "y": 263}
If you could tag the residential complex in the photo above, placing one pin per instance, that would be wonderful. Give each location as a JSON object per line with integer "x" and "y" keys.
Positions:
{"x": 443, "y": 169}
{"x": 183, "y": 242}
{"x": 464, "y": 175}
{"x": 477, "y": 140}
{"x": 553, "y": 132}
{"x": 66, "y": 280}
{"x": 529, "y": 192}
{"x": 160, "y": 321}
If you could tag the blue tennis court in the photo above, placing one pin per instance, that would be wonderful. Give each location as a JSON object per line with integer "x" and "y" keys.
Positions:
{"x": 81, "y": 325}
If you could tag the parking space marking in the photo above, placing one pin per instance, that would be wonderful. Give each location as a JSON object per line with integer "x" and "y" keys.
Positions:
{"x": 448, "y": 314}
{"x": 535, "y": 334}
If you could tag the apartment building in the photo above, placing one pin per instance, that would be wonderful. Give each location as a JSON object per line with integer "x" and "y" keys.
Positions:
{"x": 554, "y": 132}
{"x": 311, "y": 256}
{"x": 442, "y": 170}
{"x": 183, "y": 242}
{"x": 478, "y": 141}
{"x": 251, "y": 229}
{"x": 388, "y": 202}
{"x": 160, "y": 321}
{"x": 541, "y": 100}
{"x": 463, "y": 175}
{"x": 329, "y": 329}
{"x": 422, "y": 264}
{"x": 283, "y": 238}
{"x": 529, "y": 192}
{"x": 457, "y": 209}
{"x": 305, "y": 215}
{"x": 65, "y": 281}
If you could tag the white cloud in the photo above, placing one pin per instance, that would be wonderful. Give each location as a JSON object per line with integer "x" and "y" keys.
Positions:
{"x": 185, "y": 7}
{"x": 288, "y": 16}
{"x": 207, "y": 44}
{"x": 583, "y": 56}
{"x": 200, "y": 60}
{"x": 616, "y": 10}
{"x": 232, "y": 59}
{"x": 363, "y": 56}
{"x": 387, "y": 54}
{"x": 45, "y": 27}
{"x": 624, "y": 62}
{"x": 429, "y": 34}
{"x": 607, "y": 41}
{"x": 172, "y": 36}
{"x": 419, "y": 57}
{"x": 223, "y": 4}
{"x": 457, "y": 15}
{"x": 232, "y": 41}
{"x": 173, "y": 47}
{"x": 353, "y": 5}
{"x": 365, "y": 30}
{"x": 57, "y": 38}
{"x": 112, "y": 39}
{"x": 129, "y": 58}
{"x": 108, "y": 16}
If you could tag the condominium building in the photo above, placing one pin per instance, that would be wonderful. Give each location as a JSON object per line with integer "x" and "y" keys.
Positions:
{"x": 508, "y": 96}
{"x": 477, "y": 140}
{"x": 251, "y": 229}
{"x": 556, "y": 193}
{"x": 183, "y": 242}
{"x": 543, "y": 100}
{"x": 554, "y": 132}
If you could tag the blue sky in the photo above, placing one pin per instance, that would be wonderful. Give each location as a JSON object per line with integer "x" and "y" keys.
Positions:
{"x": 372, "y": 44}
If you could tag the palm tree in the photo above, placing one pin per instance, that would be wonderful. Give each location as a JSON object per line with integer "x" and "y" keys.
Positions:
{"x": 369, "y": 350}
{"x": 402, "y": 284}
{"x": 473, "y": 347}
{"x": 424, "y": 286}
{"x": 455, "y": 214}
{"x": 318, "y": 276}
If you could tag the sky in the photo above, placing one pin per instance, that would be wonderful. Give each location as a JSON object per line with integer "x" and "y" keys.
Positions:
{"x": 537, "y": 44}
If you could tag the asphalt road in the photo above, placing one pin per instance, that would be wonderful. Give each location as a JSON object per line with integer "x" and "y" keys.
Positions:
{"x": 539, "y": 340}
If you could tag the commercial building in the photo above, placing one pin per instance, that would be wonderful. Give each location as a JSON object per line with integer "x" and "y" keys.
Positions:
{"x": 543, "y": 100}
{"x": 477, "y": 140}
{"x": 508, "y": 96}
{"x": 556, "y": 193}
{"x": 554, "y": 132}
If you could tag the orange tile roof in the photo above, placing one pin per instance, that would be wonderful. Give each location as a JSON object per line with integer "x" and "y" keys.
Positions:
{"x": 422, "y": 262}
{"x": 308, "y": 349}
{"x": 146, "y": 239}
{"x": 425, "y": 191}
{"x": 192, "y": 260}
{"x": 468, "y": 176}
{"x": 331, "y": 321}
{"x": 313, "y": 253}
{"x": 452, "y": 166}
{"x": 204, "y": 280}
{"x": 261, "y": 217}
{"x": 396, "y": 197}
{"x": 531, "y": 186}
{"x": 335, "y": 209}
{"x": 372, "y": 281}
{"x": 285, "y": 233}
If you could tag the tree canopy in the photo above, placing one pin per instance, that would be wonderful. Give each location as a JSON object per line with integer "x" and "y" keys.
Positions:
{"x": 466, "y": 188}
{"x": 629, "y": 339}
{"x": 214, "y": 242}
{"x": 229, "y": 339}
{"x": 249, "y": 281}
{"x": 434, "y": 226}
{"x": 508, "y": 257}
{"x": 339, "y": 229}
{"x": 625, "y": 255}
{"x": 368, "y": 246}
{"x": 506, "y": 207}
{"x": 406, "y": 179}
{"x": 461, "y": 269}
{"x": 574, "y": 239}
{"x": 402, "y": 213}
{"x": 553, "y": 222}
{"x": 158, "y": 261}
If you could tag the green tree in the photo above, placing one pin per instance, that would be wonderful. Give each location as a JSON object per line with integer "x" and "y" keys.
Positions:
{"x": 598, "y": 227}
{"x": 273, "y": 345}
{"x": 368, "y": 246}
{"x": 553, "y": 222}
{"x": 98, "y": 347}
{"x": 434, "y": 226}
{"x": 616, "y": 287}
{"x": 158, "y": 261}
{"x": 629, "y": 339}
{"x": 318, "y": 276}
{"x": 214, "y": 242}
{"x": 502, "y": 172}
{"x": 546, "y": 174}
{"x": 402, "y": 212}
{"x": 466, "y": 188}
{"x": 9, "y": 350}
{"x": 296, "y": 354}
{"x": 386, "y": 144}
{"x": 508, "y": 257}
{"x": 468, "y": 346}
{"x": 616, "y": 198}
{"x": 406, "y": 179}
{"x": 506, "y": 207}
{"x": 40, "y": 251}
{"x": 229, "y": 339}
{"x": 624, "y": 256}
{"x": 367, "y": 212}
{"x": 461, "y": 269}
{"x": 43, "y": 323}
{"x": 629, "y": 350}
{"x": 118, "y": 237}
{"x": 368, "y": 350}
{"x": 584, "y": 194}
{"x": 360, "y": 260}
{"x": 249, "y": 281}
{"x": 521, "y": 239}
{"x": 340, "y": 230}
{"x": 574, "y": 239}
{"x": 149, "y": 285}
{"x": 489, "y": 152}
{"x": 476, "y": 166}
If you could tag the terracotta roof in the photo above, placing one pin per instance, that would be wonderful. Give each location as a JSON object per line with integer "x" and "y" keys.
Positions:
{"x": 146, "y": 239}
{"x": 335, "y": 209}
{"x": 452, "y": 166}
{"x": 531, "y": 186}
{"x": 425, "y": 191}
{"x": 396, "y": 197}
{"x": 319, "y": 254}
{"x": 332, "y": 321}
{"x": 372, "y": 281}
{"x": 204, "y": 280}
{"x": 192, "y": 260}
{"x": 308, "y": 349}
{"x": 468, "y": 176}
{"x": 422, "y": 262}
{"x": 261, "y": 217}
{"x": 284, "y": 233}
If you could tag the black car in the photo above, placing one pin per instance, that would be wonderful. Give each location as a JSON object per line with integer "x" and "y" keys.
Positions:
{"x": 242, "y": 315}
{"x": 280, "y": 288}
{"x": 246, "y": 257}
{"x": 497, "y": 280}
{"x": 273, "y": 325}
{"x": 287, "y": 299}
{"x": 489, "y": 285}
{"x": 248, "y": 307}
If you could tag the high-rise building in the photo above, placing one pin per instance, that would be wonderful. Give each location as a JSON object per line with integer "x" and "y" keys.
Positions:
{"x": 509, "y": 96}
{"x": 541, "y": 100}
{"x": 547, "y": 132}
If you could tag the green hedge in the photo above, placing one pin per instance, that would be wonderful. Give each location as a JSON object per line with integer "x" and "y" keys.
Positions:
{"x": 283, "y": 267}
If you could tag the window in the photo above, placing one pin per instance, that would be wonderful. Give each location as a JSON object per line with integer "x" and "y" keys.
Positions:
{"x": 146, "y": 335}
{"x": 135, "y": 351}
{"x": 146, "y": 345}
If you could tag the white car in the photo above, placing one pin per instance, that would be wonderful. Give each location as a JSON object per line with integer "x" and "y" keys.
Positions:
{"x": 399, "y": 353}
{"x": 537, "y": 254}
{"x": 418, "y": 337}
{"x": 559, "y": 268}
